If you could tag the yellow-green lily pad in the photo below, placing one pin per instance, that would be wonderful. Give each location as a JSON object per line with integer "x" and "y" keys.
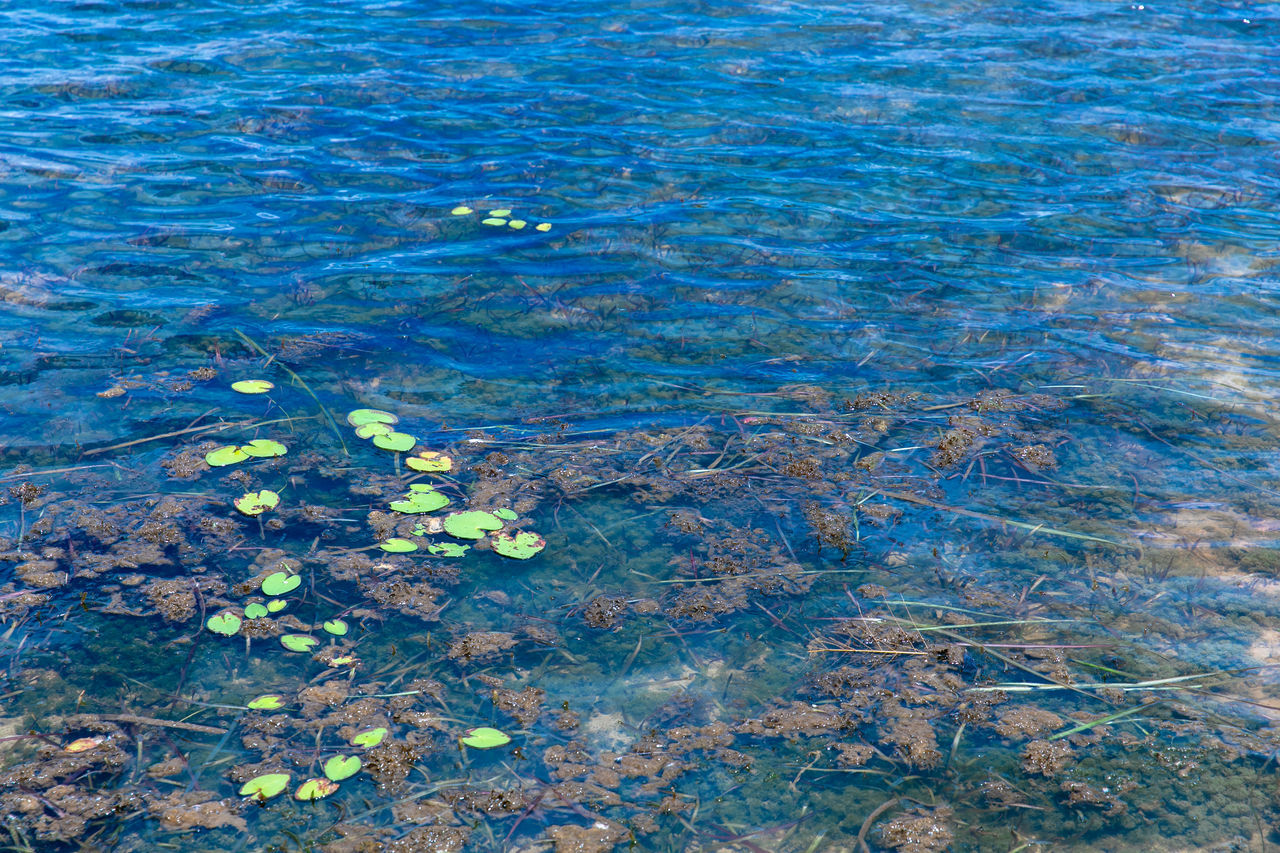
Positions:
{"x": 263, "y": 448}
{"x": 369, "y": 738}
{"x": 226, "y": 624}
{"x": 266, "y": 786}
{"x": 471, "y": 524}
{"x": 255, "y": 610}
{"x": 252, "y": 386}
{"x": 227, "y": 455}
{"x": 357, "y": 417}
{"x": 337, "y": 627}
{"x": 486, "y": 738}
{"x": 398, "y": 546}
{"x": 521, "y": 546}
{"x": 298, "y": 642}
{"x": 448, "y": 549}
{"x": 506, "y": 514}
{"x": 256, "y": 503}
{"x": 420, "y": 501}
{"x": 461, "y": 210}
{"x": 397, "y": 441}
{"x": 270, "y": 702}
{"x": 542, "y": 226}
{"x": 315, "y": 789}
{"x": 517, "y": 224}
{"x": 370, "y": 430}
{"x": 493, "y": 220}
{"x": 342, "y": 767}
{"x": 275, "y": 605}
{"x": 280, "y": 583}
{"x": 430, "y": 460}
{"x": 502, "y": 211}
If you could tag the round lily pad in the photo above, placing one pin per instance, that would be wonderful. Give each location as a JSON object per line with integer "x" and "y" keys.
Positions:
{"x": 266, "y": 786}
{"x": 275, "y": 605}
{"x": 420, "y": 501}
{"x": 429, "y": 460}
{"x": 506, "y": 514}
{"x": 542, "y": 226}
{"x": 369, "y": 738}
{"x": 280, "y": 583}
{"x": 298, "y": 642}
{"x": 517, "y": 224}
{"x": 342, "y": 767}
{"x": 493, "y": 220}
{"x": 337, "y": 627}
{"x": 398, "y": 546}
{"x": 448, "y": 549}
{"x": 502, "y": 211}
{"x": 252, "y": 386}
{"x": 255, "y": 610}
{"x": 263, "y": 448}
{"x": 521, "y": 546}
{"x": 225, "y": 624}
{"x": 256, "y": 503}
{"x": 270, "y": 702}
{"x": 397, "y": 441}
{"x": 356, "y": 417}
{"x": 227, "y": 455}
{"x": 461, "y": 210}
{"x": 315, "y": 789}
{"x": 471, "y": 524}
{"x": 370, "y": 430}
{"x": 486, "y": 738}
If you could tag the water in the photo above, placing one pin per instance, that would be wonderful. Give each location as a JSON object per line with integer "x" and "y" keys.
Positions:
{"x": 855, "y": 325}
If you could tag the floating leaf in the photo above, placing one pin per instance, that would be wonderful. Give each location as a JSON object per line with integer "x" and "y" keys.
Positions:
{"x": 298, "y": 642}
{"x": 493, "y": 220}
{"x": 263, "y": 448}
{"x": 252, "y": 386}
{"x": 429, "y": 460}
{"x": 256, "y": 503}
{"x": 517, "y": 224}
{"x": 83, "y": 744}
{"x": 397, "y": 441}
{"x": 506, "y": 514}
{"x": 370, "y": 430}
{"x": 502, "y": 211}
{"x": 398, "y": 546}
{"x": 522, "y": 546}
{"x": 344, "y": 660}
{"x": 357, "y": 417}
{"x": 369, "y": 738}
{"x": 225, "y": 624}
{"x": 227, "y": 455}
{"x": 275, "y": 605}
{"x": 471, "y": 524}
{"x": 315, "y": 789}
{"x": 419, "y": 531}
{"x": 255, "y": 611}
{"x": 280, "y": 583}
{"x": 420, "y": 501}
{"x": 486, "y": 738}
{"x": 543, "y": 226}
{"x": 270, "y": 702}
{"x": 461, "y": 210}
{"x": 266, "y": 786}
{"x": 448, "y": 549}
{"x": 342, "y": 767}
{"x": 337, "y": 627}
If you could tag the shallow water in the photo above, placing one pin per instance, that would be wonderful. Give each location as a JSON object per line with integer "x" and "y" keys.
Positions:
{"x": 854, "y": 326}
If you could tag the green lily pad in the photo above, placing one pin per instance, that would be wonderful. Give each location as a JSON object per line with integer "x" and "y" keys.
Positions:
{"x": 419, "y": 531}
{"x": 270, "y": 702}
{"x": 298, "y": 642}
{"x": 226, "y": 624}
{"x": 369, "y": 738}
{"x": 252, "y": 386}
{"x": 517, "y": 224}
{"x": 542, "y": 226}
{"x": 486, "y": 738}
{"x": 280, "y": 583}
{"x": 370, "y": 430}
{"x": 502, "y": 211}
{"x": 493, "y": 220}
{"x": 357, "y": 417}
{"x": 522, "y": 546}
{"x": 420, "y": 501}
{"x": 506, "y": 514}
{"x": 266, "y": 786}
{"x": 337, "y": 627}
{"x": 342, "y": 767}
{"x": 397, "y": 441}
{"x": 448, "y": 549}
{"x": 471, "y": 524}
{"x": 255, "y": 611}
{"x": 461, "y": 210}
{"x": 344, "y": 660}
{"x": 263, "y": 448}
{"x": 227, "y": 455}
{"x": 398, "y": 546}
{"x": 275, "y": 605}
{"x": 315, "y": 789}
{"x": 256, "y": 503}
{"x": 429, "y": 460}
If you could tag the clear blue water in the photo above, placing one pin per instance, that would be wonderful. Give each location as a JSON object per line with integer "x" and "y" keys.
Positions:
{"x": 757, "y": 213}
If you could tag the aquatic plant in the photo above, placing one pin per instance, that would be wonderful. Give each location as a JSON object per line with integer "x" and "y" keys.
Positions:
{"x": 255, "y": 610}
{"x": 420, "y": 500}
{"x": 431, "y": 461}
{"x": 360, "y": 417}
{"x": 226, "y": 624}
{"x": 396, "y": 545}
{"x": 341, "y": 767}
{"x": 484, "y": 737}
{"x": 280, "y": 583}
{"x": 337, "y": 627}
{"x": 226, "y": 455}
{"x": 369, "y": 738}
{"x": 269, "y": 702}
{"x": 521, "y": 546}
{"x": 266, "y": 786}
{"x": 447, "y": 549}
{"x": 315, "y": 789}
{"x": 298, "y": 642}
{"x": 399, "y": 442}
{"x": 256, "y": 503}
{"x": 252, "y": 386}
{"x": 471, "y": 524}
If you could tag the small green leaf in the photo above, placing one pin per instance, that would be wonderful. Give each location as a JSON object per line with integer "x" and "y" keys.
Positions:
{"x": 420, "y": 501}
{"x": 542, "y": 226}
{"x": 522, "y": 546}
{"x": 471, "y": 524}
{"x": 398, "y": 546}
{"x": 263, "y": 448}
{"x": 370, "y": 430}
{"x": 461, "y": 210}
{"x": 369, "y": 738}
{"x": 357, "y": 417}
{"x": 315, "y": 789}
{"x": 266, "y": 786}
{"x": 298, "y": 642}
{"x": 280, "y": 583}
{"x": 493, "y": 220}
{"x": 275, "y": 605}
{"x": 337, "y": 627}
{"x": 397, "y": 441}
{"x": 429, "y": 460}
{"x": 344, "y": 660}
{"x": 256, "y": 503}
{"x": 255, "y": 611}
{"x": 517, "y": 224}
{"x": 419, "y": 531}
{"x": 252, "y": 386}
{"x": 270, "y": 702}
{"x": 226, "y": 624}
{"x": 502, "y": 211}
{"x": 506, "y": 514}
{"x": 227, "y": 455}
{"x": 448, "y": 549}
{"x": 486, "y": 738}
{"x": 342, "y": 767}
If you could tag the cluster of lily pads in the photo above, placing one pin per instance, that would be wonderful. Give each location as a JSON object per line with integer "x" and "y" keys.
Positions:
{"x": 499, "y": 217}
{"x": 275, "y": 586}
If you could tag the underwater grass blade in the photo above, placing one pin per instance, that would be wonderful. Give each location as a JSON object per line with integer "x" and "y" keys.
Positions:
{"x": 1102, "y": 721}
